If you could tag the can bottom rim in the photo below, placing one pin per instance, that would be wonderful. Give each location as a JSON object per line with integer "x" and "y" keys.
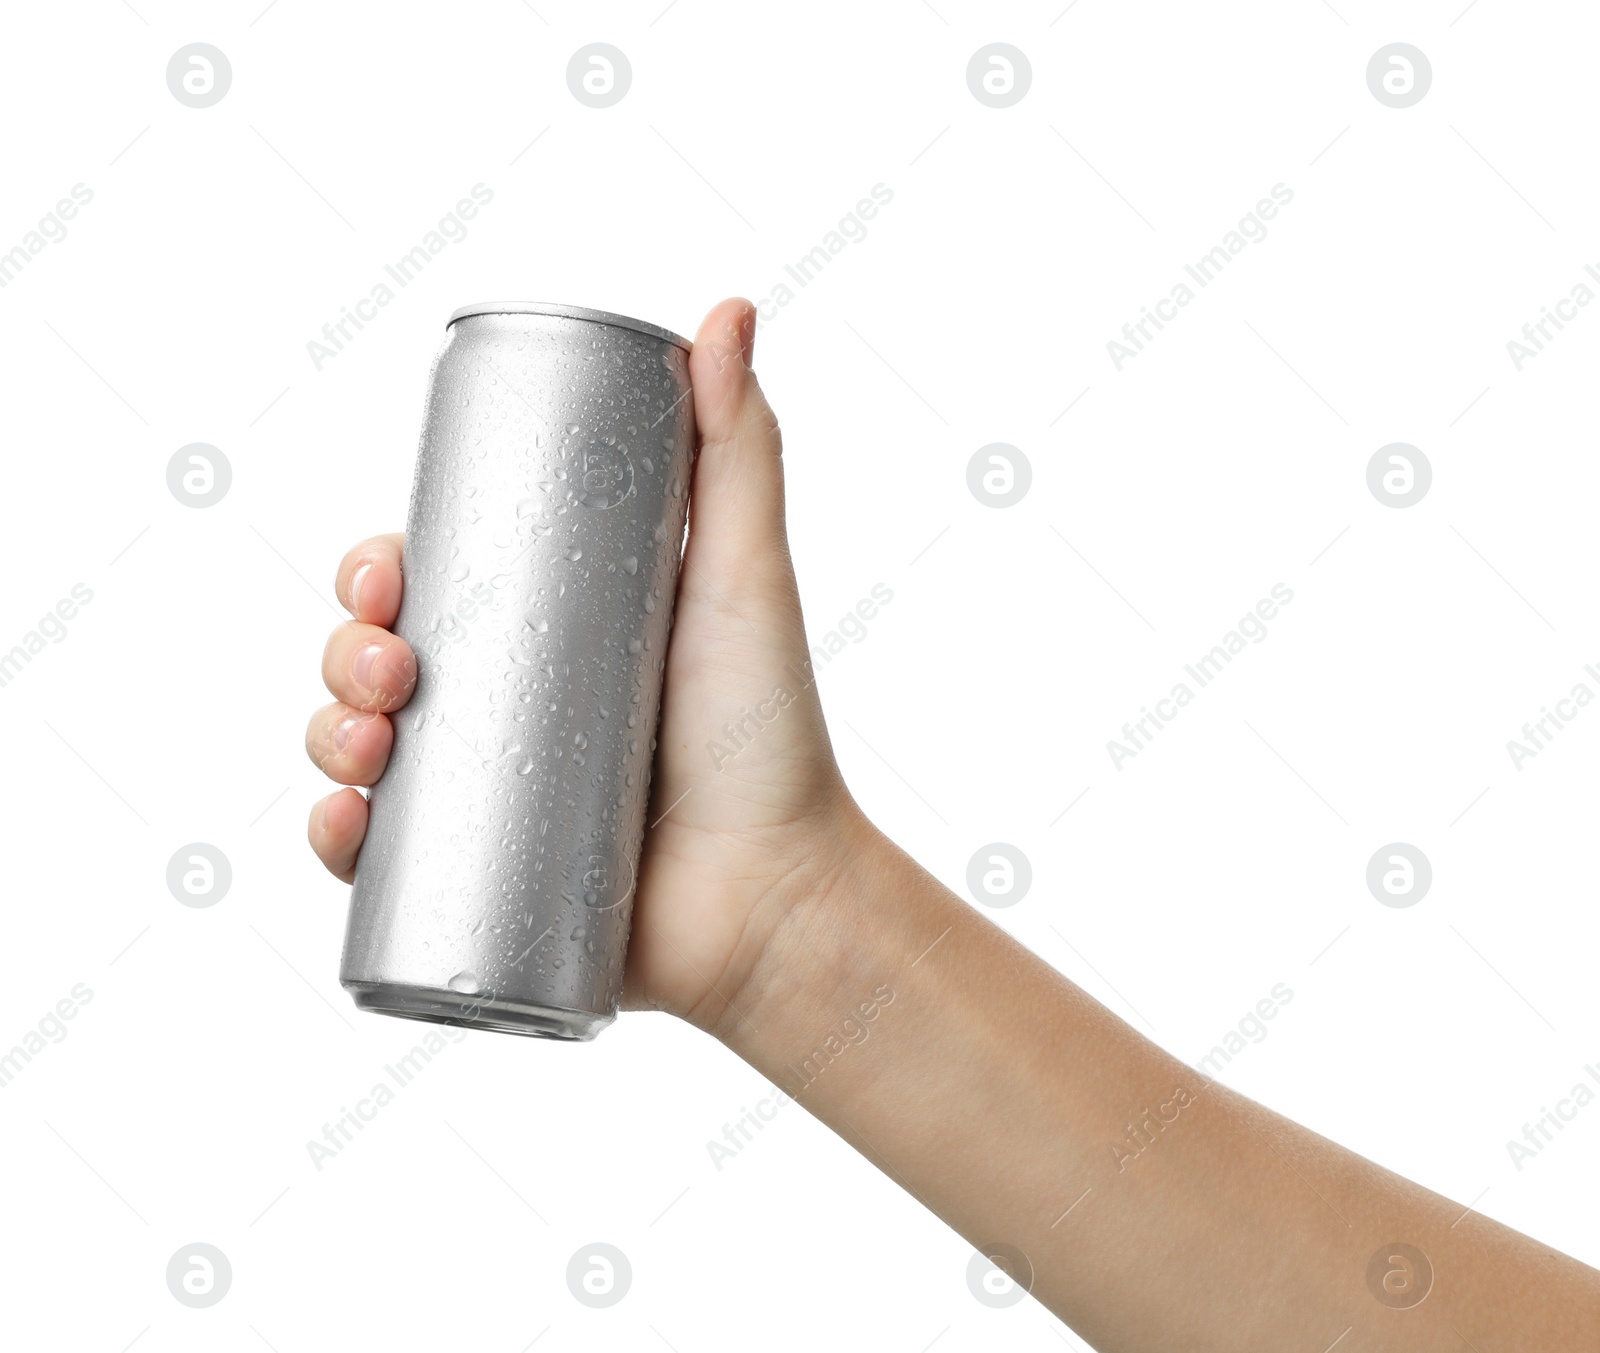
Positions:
{"x": 438, "y": 1005}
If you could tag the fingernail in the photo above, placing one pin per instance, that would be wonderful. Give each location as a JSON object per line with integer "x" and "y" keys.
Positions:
{"x": 747, "y": 339}
{"x": 384, "y": 699}
{"x": 356, "y": 579}
{"x": 361, "y": 666}
{"x": 344, "y": 730}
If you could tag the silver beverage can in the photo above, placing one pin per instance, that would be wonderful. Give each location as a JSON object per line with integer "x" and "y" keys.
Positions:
{"x": 495, "y": 886}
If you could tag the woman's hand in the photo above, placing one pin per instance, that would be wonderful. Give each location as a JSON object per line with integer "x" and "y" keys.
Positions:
{"x": 745, "y": 828}
{"x": 1147, "y": 1206}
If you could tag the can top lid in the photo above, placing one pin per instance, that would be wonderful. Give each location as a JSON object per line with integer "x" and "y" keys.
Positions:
{"x": 568, "y": 312}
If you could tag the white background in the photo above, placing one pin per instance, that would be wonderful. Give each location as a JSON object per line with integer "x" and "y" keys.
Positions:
{"x": 1180, "y": 889}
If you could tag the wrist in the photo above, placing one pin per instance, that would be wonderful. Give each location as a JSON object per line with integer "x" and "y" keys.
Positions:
{"x": 838, "y": 952}
{"x": 796, "y": 928}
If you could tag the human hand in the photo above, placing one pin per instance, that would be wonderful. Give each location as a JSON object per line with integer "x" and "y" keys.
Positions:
{"x": 744, "y": 833}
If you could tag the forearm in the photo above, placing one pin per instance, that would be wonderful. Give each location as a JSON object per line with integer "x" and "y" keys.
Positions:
{"x": 1157, "y": 1211}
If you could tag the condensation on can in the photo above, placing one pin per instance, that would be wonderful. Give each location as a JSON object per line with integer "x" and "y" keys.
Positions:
{"x": 495, "y": 886}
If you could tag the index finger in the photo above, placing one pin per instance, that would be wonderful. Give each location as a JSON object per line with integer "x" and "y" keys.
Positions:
{"x": 369, "y": 583}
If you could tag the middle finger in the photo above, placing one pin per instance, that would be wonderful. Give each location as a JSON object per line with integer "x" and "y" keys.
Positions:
{"x": 369, "y": 668}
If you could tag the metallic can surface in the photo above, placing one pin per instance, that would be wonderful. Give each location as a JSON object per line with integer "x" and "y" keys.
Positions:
{"x": 495, "y": 885}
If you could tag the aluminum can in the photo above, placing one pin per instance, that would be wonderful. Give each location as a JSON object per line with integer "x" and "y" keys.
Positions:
{"x": 495, "y": 886}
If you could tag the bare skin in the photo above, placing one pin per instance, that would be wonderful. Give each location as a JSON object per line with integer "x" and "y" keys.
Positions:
{"x": 1152, "y": 1210}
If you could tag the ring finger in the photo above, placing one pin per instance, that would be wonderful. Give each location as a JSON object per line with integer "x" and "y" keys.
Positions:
{"x": 349, "y": 746}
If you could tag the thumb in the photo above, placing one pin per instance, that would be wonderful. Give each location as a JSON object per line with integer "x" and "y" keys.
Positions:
{"x": 736, "y": 508}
